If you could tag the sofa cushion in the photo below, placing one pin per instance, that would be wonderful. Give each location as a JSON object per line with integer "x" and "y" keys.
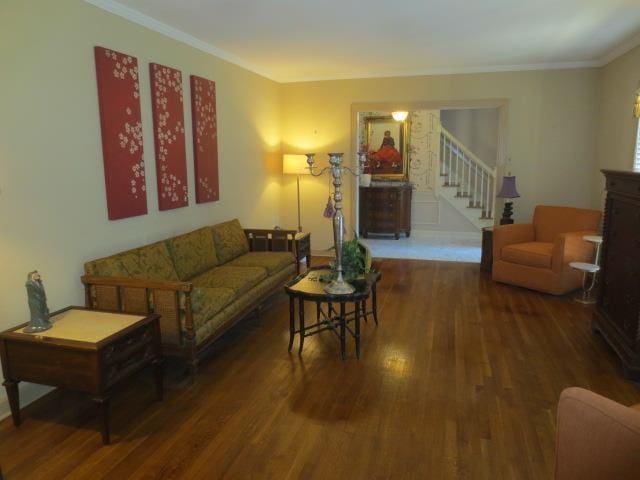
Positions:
{"x": 230, "y": 240}
{"x": 192, "y": 253}
{"x": 272, "y": 261}
{"x": 207, "y": 302}
{"x": 532, "y": 254}
{"x": 107, "y": 267}
{"x": 239, "y": 279}
{"x": 151, "y": 262}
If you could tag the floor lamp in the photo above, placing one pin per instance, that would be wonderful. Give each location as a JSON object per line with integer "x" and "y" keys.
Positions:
{"x": 295, "y": 165}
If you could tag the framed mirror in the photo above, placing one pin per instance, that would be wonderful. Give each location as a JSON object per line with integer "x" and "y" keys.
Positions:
{"x": 386, "y": 141}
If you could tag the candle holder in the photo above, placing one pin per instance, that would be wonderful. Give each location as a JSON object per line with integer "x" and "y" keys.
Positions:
{"x": 338, "y": 286}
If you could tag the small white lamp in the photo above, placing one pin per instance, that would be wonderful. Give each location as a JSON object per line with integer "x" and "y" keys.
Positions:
{"x": 295, "y": 165}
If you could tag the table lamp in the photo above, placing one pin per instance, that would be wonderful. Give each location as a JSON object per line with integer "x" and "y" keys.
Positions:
{"x": 295, "y": 165}
{"x": 508, "y": 190}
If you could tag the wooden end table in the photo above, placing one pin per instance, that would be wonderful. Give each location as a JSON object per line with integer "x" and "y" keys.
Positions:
{"x": 307, "y": 287}
{"x": 86, "y": 350}
{"x": 303, "y": 249}
{"x": 486, "y": 260}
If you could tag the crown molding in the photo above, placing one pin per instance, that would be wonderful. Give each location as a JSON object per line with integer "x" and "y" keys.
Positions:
{"x": 157, "y": 26}
{"x": 151, "y": 23}
{"x": 455, "y": 71}
{"x": 620, "y": 50}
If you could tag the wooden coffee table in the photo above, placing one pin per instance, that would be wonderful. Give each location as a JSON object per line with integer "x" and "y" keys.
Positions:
{"x": 308, "y": 287}
{"x": 86, "y": 350}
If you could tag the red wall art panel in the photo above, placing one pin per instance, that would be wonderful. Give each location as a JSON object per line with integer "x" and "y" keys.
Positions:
{"x": 168, "y": 135}
{"x": 205, "y": 138}
{"x": 121, "y": 125}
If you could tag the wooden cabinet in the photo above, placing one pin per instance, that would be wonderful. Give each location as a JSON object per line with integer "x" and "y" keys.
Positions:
{"x": 385, "y": 210}
{"x": 617, "y": 314}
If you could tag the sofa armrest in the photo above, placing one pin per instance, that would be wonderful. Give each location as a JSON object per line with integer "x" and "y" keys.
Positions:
{"x": 504, "y": 235}
{"x": 141, "y": 296}
{"x": 264, "y": 240}
{"x": 570, "y": 247}
{"x": 596, "y": 437}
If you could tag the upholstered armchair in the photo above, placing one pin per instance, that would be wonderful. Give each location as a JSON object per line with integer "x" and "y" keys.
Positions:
{"x": 537, "y": 255}
{"x": 597, "y": 438}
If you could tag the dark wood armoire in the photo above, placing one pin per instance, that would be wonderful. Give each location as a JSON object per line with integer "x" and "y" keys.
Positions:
{"x": 385, "y": 210}
{"x": 617, "y": 314}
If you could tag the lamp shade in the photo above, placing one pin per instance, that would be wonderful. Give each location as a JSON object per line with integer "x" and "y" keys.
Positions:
{"x": 508, "y": 189}
{"x": 294, "y": 164}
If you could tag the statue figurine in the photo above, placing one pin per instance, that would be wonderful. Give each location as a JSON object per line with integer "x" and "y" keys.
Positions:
{"x": 37, "y": 304}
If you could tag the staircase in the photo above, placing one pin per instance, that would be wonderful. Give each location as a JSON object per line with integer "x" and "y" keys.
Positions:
{"x": 468, "y": 183}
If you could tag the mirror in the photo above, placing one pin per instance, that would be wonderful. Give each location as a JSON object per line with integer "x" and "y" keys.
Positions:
{"x": 386, "y": 142}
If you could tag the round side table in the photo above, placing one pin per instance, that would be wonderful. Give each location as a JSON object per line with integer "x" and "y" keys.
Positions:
{"x": 589, "y": 272}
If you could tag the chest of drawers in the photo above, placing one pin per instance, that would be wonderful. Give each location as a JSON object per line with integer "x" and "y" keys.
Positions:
{"x": 385, "y": 210}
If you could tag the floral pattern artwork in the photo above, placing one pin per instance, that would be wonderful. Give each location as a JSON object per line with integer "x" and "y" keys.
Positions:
{"x": 121, "y": 125}
{"x": 168, "y": 128}
{"x": 205, "y": 138}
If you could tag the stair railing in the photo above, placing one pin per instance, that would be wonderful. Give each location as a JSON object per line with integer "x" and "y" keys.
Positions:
{"x": 472, "y": 177}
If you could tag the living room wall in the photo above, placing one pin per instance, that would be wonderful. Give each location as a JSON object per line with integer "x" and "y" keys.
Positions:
{"x": 53, "y": 213}
{"x": 550, "y": 133}
{"x": 619, "y": 81}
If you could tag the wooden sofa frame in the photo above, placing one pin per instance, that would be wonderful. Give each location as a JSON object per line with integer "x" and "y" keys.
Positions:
{"x": 167, "y": 299}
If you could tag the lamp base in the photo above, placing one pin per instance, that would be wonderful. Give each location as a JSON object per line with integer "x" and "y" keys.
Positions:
{"x": 339, "y": 288}
{"x": 507, "y": 213}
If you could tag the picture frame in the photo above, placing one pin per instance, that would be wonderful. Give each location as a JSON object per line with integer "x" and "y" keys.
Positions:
{"x": 387, "y": 153}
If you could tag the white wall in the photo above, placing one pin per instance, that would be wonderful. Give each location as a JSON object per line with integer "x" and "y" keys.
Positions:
{"x": 53, "y": 213}
{"x": 616, "y": 126}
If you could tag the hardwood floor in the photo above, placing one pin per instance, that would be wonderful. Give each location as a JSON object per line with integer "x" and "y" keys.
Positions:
{"x": 460, "y": 380}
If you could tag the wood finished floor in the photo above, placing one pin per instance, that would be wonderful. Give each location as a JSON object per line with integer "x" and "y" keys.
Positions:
{"x": 460, "y": 380}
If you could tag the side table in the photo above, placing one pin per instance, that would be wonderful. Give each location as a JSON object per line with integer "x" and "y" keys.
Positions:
{"x": 486, "y": 260}
{"x": 303, "y": 249}
{"x": 308, "y": 288}
{"x": 87, "y": 351}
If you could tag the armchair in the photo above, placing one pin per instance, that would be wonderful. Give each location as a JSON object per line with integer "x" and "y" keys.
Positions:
{"x": 597, "y": 438}
{"x": 537, "y": 255}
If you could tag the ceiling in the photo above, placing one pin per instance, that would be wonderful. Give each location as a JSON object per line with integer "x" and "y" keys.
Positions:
{"x": 293, "y": 40}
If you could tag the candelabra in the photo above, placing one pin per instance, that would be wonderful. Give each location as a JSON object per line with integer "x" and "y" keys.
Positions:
{"x": 338, "y": 285}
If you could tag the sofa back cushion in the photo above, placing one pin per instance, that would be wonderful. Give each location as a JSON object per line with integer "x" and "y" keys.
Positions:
{"x": 230, "y": 240}
{"x": 549, "y": 222}
{"x": 153, "y": 262}
{"x": 192, "y": 253}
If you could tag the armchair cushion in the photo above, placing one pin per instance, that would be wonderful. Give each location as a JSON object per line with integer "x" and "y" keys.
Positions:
{"x": 551, "y": 221}
{"x": 533, "y": 254}
{"x": 511, "y": 234}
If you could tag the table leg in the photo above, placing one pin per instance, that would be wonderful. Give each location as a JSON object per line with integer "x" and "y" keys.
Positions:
{"x": 103, "y": 403}
{"x": 158, "y": 370}
{"x": 374, "y": 300}
{"x": 343, "y": 322}
{"x": 364, "y": 309}
{"x": 357, "y": 330}
{"x": 14, "y": 400}
{"x": 318, "y": 309}
{"x": 301, "y": 319}
{"x": 292, "y": 321}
